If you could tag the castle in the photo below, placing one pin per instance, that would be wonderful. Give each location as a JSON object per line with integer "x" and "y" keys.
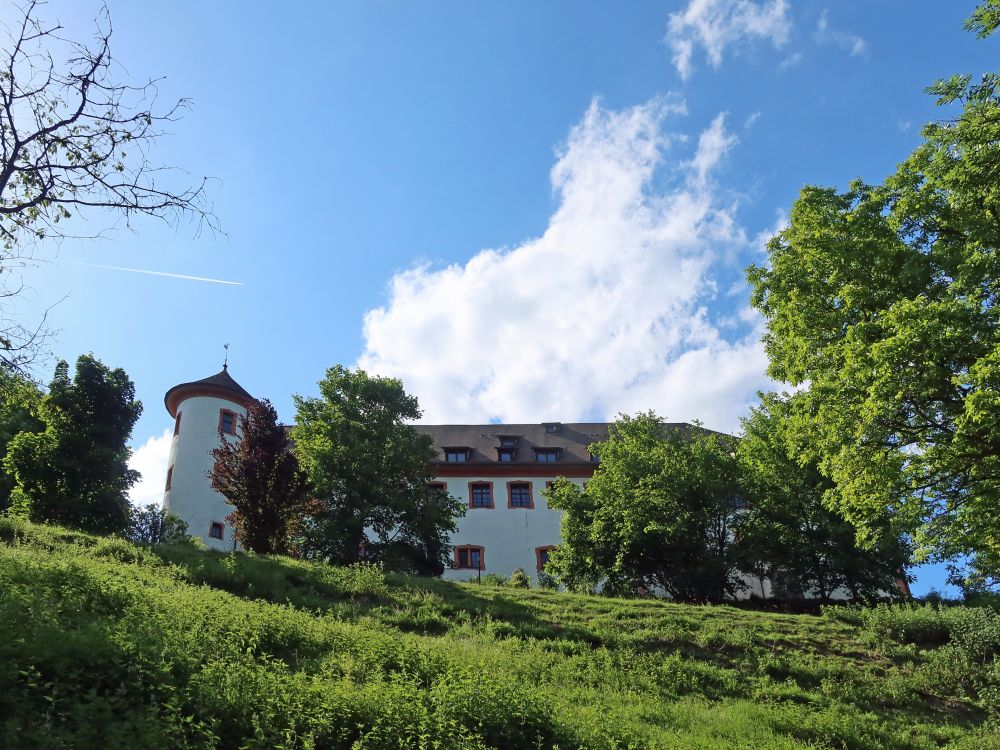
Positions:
{"x": 499, "y": 471}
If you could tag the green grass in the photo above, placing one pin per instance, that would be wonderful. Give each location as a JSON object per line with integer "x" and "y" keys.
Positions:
{"x": 105, "y": 644}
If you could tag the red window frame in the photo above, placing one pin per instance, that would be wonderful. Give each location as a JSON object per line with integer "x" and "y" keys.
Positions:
{"x": 468, "y": 549}
{"x": 443, "y": 486}
{"x": 520, "y": 484}
{"x": 177, "y": 423}
{"x": 216, "y": 526}
{"x": 473, "y": 485}
{"x": 539, "y": 551}
{"x": 232, "y": 422}
{"x": 170, "y": 478}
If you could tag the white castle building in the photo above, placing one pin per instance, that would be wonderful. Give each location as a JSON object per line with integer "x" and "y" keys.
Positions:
{"x": 497, "y": 471}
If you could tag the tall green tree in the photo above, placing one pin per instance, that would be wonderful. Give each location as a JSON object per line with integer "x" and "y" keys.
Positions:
{"x": 883, "y": 301}
{"x": 260, "y": 476}
{"x": 154, "y": 524}
{"x": 787, "y": 535}
{"x": 75, "y": 471}
{"x": 20, "y": 401}
{"x": 370, "y": 471}
{"x": 659, "y": 513}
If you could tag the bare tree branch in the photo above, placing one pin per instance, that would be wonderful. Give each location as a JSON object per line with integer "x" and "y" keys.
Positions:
{"x": 74, "y": 140}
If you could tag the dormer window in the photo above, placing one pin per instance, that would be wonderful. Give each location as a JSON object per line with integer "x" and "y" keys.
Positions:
{"x": 508, "y": 441}
{"x": 594, "y": 458}
{"x": 505, "y": 455}
{"x": 551, "y": 426}
{"x": 456, "y": 455}
{"x": 546, "y": 455}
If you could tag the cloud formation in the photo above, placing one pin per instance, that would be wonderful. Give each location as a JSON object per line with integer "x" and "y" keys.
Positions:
{"x": 718, "y": 24}
{"x": 852, "y": 44}
{"x": 150, "y": 460}
{"x": 606, "y": 312}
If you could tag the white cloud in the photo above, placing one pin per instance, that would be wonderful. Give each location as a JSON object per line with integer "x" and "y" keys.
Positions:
{"x": 606, "y": 312}
{"x": 717, "y": 24}
{"x": 790, "y": 62}
{"x": 751, "y": 120}
{"x": 150, "y": 460}
{"x": 852, "y": 44}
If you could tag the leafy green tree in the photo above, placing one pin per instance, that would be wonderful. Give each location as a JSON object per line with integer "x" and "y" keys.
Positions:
{"x": 153, "y": 524}
{"x": 75, "y": 471}
{"x": 20, "y": 400}
{"x": 882, "y": 303}
{"x": 659, "y": 512}
{"x": 787, "y": 535}
{"x": 370, "y": 472}
{"x": 260, "y": 476}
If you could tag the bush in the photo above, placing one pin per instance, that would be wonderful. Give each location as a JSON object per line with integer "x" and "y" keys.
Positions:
{"x": 494, "y": 579}
{"x": 519, "y": 580}
{"x": 921, "y": 624}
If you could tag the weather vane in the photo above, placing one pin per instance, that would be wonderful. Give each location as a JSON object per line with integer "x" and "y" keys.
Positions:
{"x": 225, "y": 363}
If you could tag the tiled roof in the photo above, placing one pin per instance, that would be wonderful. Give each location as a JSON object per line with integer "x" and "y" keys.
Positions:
{"x": 221, "y": 384}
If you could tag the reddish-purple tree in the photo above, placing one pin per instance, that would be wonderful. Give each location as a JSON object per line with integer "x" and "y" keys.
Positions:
{"x": 260, "y": 476}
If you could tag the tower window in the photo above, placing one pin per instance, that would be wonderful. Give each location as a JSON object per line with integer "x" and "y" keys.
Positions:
{"x": 480, "y": 494}
{"x": 519, "y": 495}
{"x": 215, "y": 530}
{"x": 177, "y": 423}
{"x": 227, "y": 422}
{"x": 170, "y": 478}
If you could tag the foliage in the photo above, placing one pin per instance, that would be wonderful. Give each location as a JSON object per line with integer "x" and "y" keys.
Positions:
{"x": 259, "y": 476}
{"x": 786, "y": 533}
{"x": 75, "y": 472}
{"x": 370, "y": 472}
{"x": 72, "y": 140}
{"x": 20, "y": 399}
{"x": 154, "y": 524}
{"x": 519, "y": 579}
{"x": 659, "y": 513}
{"x": 883, "y": 300}
{"x": 110, "y": 644}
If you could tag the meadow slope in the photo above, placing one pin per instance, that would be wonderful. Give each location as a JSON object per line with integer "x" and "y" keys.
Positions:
{"x": 106, "y": 644}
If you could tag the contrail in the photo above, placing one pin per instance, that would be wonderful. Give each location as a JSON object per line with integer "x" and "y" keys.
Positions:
{"x": 160, "y": 273}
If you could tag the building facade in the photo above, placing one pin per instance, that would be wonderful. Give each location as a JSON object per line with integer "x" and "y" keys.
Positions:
{"x": 204, "y": 412}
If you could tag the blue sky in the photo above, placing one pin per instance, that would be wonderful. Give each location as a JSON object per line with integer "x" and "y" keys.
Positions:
{"x": 526, "y": 210}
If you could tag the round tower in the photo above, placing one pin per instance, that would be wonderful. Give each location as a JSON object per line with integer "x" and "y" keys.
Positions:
{"x": 205, "y": 412}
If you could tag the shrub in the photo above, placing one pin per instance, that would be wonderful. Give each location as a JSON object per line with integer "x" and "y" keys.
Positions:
{"x": 494, "y": 579}
{"x": 519, "y": 580}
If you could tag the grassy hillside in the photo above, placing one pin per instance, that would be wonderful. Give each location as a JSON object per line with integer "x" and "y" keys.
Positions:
{"x": 108, "y": 645}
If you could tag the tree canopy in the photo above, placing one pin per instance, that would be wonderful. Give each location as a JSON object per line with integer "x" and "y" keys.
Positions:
{"x": 370, "y": 473}
{"x": 75, "y": 471}
{"x": 20, "y": 401}
{"x": 260, "y": 476}
{"x": 658, "y": 513}
{"x": 787, "y": 535}
{"x": 881, "y": 302}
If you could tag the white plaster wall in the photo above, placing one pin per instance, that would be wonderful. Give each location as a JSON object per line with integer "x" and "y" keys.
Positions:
{"x": 509, "y": 536}
{"x": 191, "y": 495}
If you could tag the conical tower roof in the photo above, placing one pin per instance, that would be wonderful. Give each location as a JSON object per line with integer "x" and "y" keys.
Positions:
{"x": 220, "y": 385}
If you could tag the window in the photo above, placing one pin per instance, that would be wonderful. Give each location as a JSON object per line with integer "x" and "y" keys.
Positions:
{"x": 470, "y": 556}
{"x": 519, "y": 495}
{"x": 505, "y": 456}
{"x": 542, "y": 556}
{"x": 480, "y": 494}
{"x": 508, "y": 441}
{"x": 177, "y": 423}
{"x": 227, "y": 422}
{"x": 594, "y": 458}
{"x": 215, "y": 530}
{"x": 546, "y": 455}
{"x": 170, "y": 477}
{"x": 456, "y": 455}
{"x": 551, "y": 426}
{"x": 442, "y": 486}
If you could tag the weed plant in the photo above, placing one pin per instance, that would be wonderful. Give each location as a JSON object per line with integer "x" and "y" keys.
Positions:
{"x": 109, "y": 644}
